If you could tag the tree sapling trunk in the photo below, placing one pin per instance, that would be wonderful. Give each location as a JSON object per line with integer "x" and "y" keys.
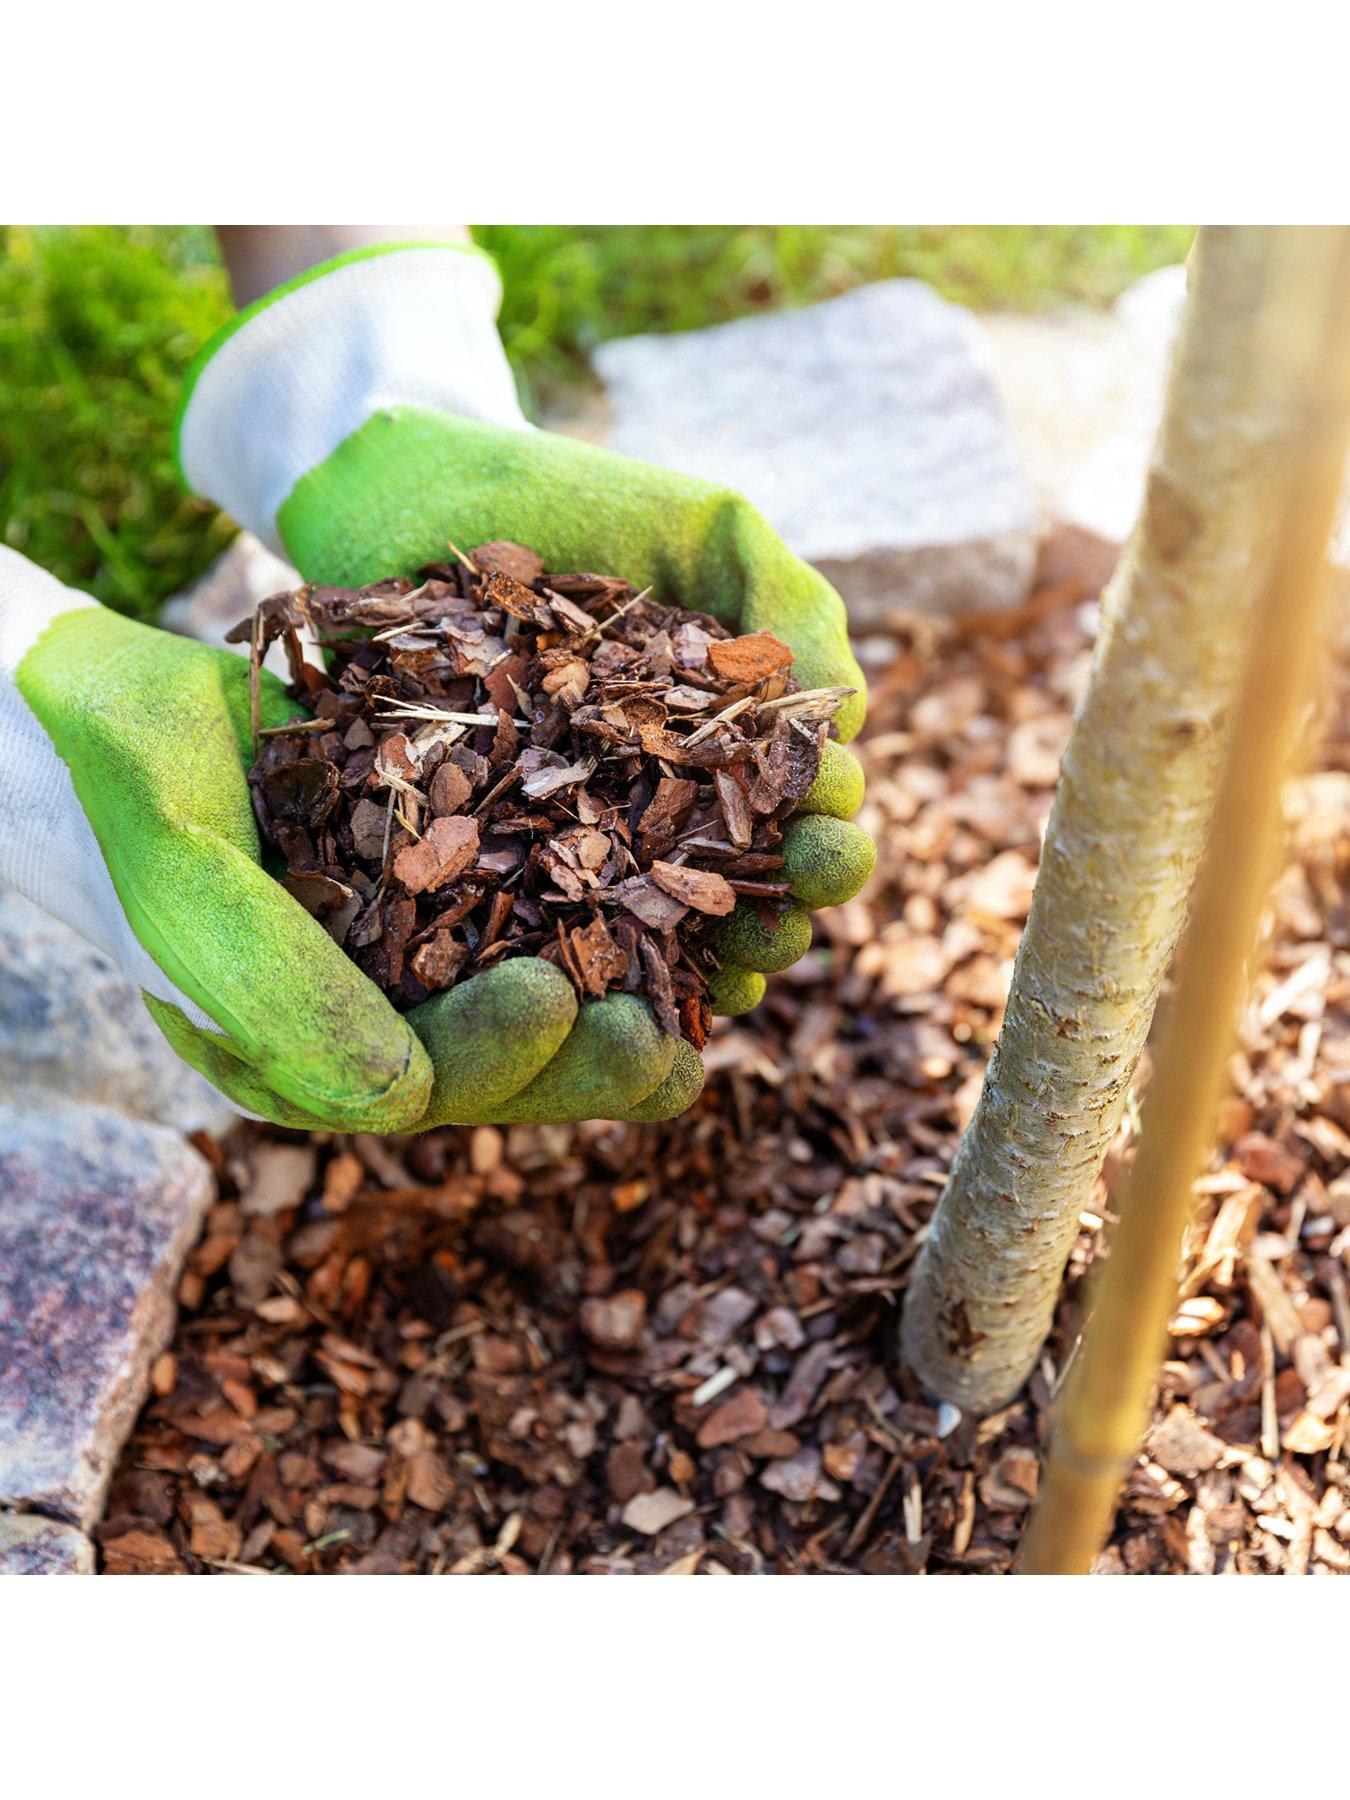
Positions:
{"x": 1102, "y": 1411}
{"x": 1135, "y": 798}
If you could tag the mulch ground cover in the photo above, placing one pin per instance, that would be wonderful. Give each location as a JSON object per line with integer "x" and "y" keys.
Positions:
{"x": 612, "y": 1348}
{"x": 499, "y": 761}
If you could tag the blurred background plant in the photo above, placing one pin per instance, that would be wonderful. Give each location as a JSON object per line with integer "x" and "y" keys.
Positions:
{"x": 98, "y": 324}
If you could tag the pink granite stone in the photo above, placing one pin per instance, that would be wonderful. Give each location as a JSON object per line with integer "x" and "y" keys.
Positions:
{"x": 97, "y": 1212}
{"x": 32, "y": 1545}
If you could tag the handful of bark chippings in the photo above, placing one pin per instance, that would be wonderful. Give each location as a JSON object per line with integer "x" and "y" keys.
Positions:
{"x": 503, "y": 762}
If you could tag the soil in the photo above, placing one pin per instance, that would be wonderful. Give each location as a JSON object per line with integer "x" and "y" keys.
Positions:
{"x": 611, "y": 1348}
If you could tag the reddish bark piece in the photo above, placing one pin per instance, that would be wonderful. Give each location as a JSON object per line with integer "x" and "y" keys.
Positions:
{"x": 394, "y": 759}
{"x": 1262, "y": 1158}
{"x": 796, "y": 1477}
{"x": 703, "y": 889}
{"x": 740, "y": 1416}
{"x": 508, "y": 559}
{"x": 438, "y": 961}
{"x": 515, "y": 598}
{"x": 141, "y": 1553}
{"x": 443, "y": 852}
{"x": 660, "y": 986}
{"x": 696, "y": 1019}
{"x": 616, "y": 1322}
{"x": 279, "y": 1176}
{"x": 318, "y": 894}
{"x": 807, "y": 1375}
{"x": 735, "y": 808}
{"x": 751, "y": 658}
{"x": 1182, "y": 1445}
{"x": 450, "y": 790}
{"x": 650, "y": 903}
{"x": 627, "y": 1474}
{"x": 668, "y": 809}
{"x": 650, "y": 1513}
{"x": 601, "y": 961}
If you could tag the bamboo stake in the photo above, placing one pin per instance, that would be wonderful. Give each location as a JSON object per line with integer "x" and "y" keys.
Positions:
{"x": 1104, "y": 1406}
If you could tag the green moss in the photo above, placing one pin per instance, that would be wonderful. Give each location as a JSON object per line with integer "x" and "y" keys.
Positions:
{"x": 97, "y": 325}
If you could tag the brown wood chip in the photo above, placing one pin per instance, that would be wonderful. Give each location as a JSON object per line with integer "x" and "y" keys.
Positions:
{"x": 703, "y": 889}
{"x": 446, "y": 850}
{"x": 750, "y": 658}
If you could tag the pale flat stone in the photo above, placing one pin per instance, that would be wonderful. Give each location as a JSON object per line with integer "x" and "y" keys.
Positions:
{"x": 32, "y": 1545}
{"x": 867, "y": 429}
{"x": 97, "y": 1213}
{"x": 73, "y": 1027}
{"x": 1084, "y": 391}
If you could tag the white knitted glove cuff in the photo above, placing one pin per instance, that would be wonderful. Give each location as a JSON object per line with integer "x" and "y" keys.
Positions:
{"x": 411, "y": 326}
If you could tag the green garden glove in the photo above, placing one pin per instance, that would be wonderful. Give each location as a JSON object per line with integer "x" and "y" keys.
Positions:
{"x": 140, "y": 835}
{"x": 362, "y": 420}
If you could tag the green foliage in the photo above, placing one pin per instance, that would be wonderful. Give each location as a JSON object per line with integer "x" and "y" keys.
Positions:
{"x": 97, "y": 325}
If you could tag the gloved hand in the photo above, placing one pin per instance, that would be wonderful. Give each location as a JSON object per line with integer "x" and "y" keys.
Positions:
{"x": 362, "y": 419}
{"x": 358, "y": 420}
{"x": 146, "y": 845}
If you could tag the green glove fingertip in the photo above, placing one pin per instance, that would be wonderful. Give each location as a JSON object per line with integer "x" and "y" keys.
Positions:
{"x": 612, "y": 1060}
{"x": 734, "y": 990}
{"x": 744, "y": 937}
{"x": 491, "y": 1036}
{"x": 838, "y": 787}
{"x": 827, "y": 860}
{"x": 676, "y": 1093}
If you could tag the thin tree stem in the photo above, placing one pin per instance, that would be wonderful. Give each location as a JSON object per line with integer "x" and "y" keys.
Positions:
{"x": 1104, "y": 1405}
{"x": 1134, "y": 802}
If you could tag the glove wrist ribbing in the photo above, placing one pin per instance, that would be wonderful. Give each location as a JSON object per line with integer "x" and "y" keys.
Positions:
{"x": 293, "y": 376}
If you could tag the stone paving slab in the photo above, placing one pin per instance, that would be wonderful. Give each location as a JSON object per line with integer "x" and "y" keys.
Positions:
{"x": 73, "y": 1028}
{"x": 97, "y": 1212}
{"x": 1084, "y": 391}
{"x": 32, "y": 1545}
{"x": 868, "y": 430}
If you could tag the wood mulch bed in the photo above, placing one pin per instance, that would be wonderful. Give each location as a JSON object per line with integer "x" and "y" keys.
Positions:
{"x": 610, "y": 1348}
